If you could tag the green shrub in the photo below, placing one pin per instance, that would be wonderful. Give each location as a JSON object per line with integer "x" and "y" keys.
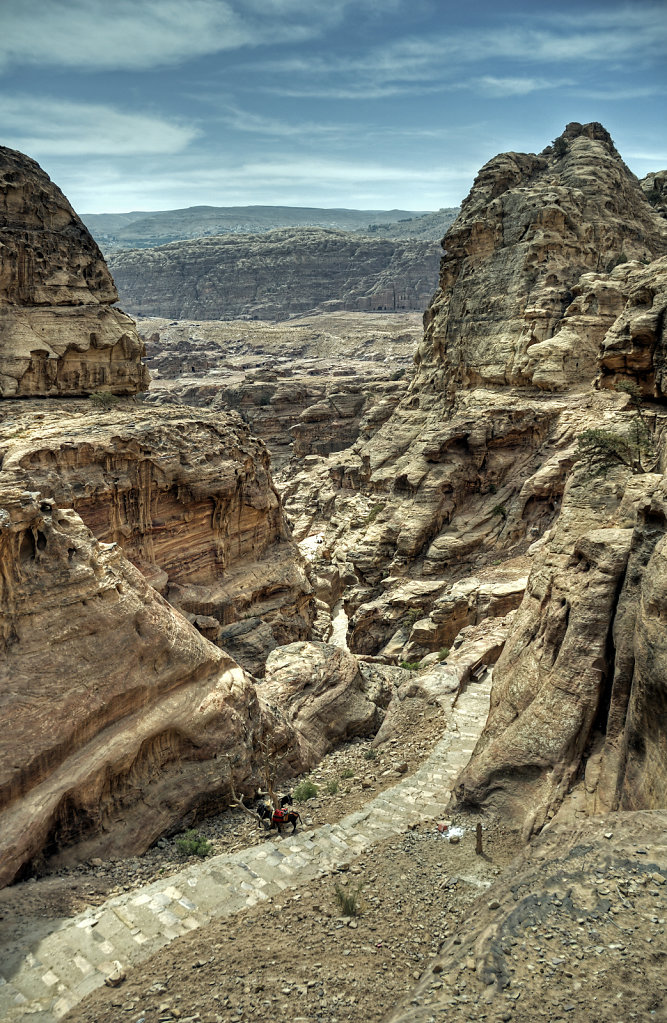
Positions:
{"x": 104, "y": 399}
{"x": 370, "y": 754}
{"x": 443, "y": 654}
{"x": 374, "y": 512}
{"x": 193, "y": 844}
{"x": 499, "y": 509}
{"x": 347, "y": 773}
{"x": 332, "y": 786}
{"x": 410, "y": 665}
{"x": 305, "y": 790}
{"x": 348, "y": 902}
{"x": 560, "y": 146}
{"x": 622, "y": 258}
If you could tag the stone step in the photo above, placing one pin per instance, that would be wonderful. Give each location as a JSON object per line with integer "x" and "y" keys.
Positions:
{"x": 49, "y": 979}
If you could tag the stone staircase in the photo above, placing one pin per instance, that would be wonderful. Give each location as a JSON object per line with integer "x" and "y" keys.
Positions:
{"x": 45, "y": 981}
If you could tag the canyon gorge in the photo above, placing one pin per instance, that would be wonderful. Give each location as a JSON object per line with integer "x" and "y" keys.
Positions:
{"x": 297, "y": 531}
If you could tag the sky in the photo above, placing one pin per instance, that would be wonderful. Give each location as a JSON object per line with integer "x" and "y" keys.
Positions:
{"x": 367, "y": 104}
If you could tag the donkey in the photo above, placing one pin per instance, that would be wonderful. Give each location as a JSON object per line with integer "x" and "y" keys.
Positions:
{"x": 280, "y": 817}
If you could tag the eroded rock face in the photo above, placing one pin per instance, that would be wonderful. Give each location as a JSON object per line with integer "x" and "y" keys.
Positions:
{"x": 276, "y": 275}
{"x": 634, "y": 348}
{"x": 583, "y": 669}
{"x": 124, "y": 719}
{"x": 188, "y": 497}
{"x": 528, "y": 231}
{"x": 59, "y": 334}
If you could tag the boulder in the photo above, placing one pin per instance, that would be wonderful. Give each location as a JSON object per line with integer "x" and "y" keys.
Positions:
{"x": 323, "y": 694}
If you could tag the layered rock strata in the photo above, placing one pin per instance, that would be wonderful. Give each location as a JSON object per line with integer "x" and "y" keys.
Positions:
{"x": 187, "y": 496}
{"x": 122, "y": 721}
{"x": 59, "y": 332}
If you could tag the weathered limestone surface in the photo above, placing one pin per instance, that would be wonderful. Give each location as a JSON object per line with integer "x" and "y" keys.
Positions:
{"x": 120, "y": 718}
{"x": 187, "y": 495}
{"x": 59, "y": 334}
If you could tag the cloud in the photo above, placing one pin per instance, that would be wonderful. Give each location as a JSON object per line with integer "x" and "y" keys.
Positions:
{"x": 204, "y": 179}
{"x": 623, "y": 36}
{"x": 498, "y": 88}
{"x": 259, "y": 124}
{"x": 47, "y": 127}
{"x": 97, "y": 35}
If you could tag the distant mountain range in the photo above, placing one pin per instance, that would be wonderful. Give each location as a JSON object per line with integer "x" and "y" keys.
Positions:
{"x": 140, "y": 230}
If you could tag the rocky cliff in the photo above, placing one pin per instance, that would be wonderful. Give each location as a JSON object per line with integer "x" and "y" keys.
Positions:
{"x": 276, "y": 275}
{"x": 134, "y": 545}
{"x": 59, "y": 334}
{"x": 189, "y": 498}
{"x": 122, "y": 720}
{"x": 552, "y": 277}
{"x": 525, "y": 295}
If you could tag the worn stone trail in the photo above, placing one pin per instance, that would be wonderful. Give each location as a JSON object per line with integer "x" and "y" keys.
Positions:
{"x": 44, "y": 981}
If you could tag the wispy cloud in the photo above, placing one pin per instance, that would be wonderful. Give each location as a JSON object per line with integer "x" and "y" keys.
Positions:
{"x": 152, "y": 183}
{"x": 140, "y": 34}
{"x": 47, "y": 127}
{"x": 622, "y": 36}
{"x": 259, "y": 124}
{"x": 499, "y": 87}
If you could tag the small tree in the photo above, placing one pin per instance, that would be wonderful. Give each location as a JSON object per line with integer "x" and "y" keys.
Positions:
{"x": 601, "y": 449}
{"x": 270, "y": 762}
{"x": 560, "y": 146}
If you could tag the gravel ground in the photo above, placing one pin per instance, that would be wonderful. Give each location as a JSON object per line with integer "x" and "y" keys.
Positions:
{"x": 299, "y": 956}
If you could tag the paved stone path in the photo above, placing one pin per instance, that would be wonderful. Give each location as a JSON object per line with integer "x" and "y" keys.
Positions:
{"x": 44, "y": 982}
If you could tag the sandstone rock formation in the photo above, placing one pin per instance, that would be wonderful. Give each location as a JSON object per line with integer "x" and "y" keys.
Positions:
{"x": 531, "y": 227}
{"x": 325, "y": 694}
{"x": 120, "y": 705}
{"x": 120, "y": 719}
{"x": 59, "y": 334}
{"x": 633, "y": 349}
{"x": 275, "y": 275}
{"x": 654, "y": 187}
{"x": 309, "y": 387}
{"x": 188, "y": 497}
{"x": 585, "y": 661}
{"x": 554, "y": 272}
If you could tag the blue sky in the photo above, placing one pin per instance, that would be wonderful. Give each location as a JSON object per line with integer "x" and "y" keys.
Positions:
{"x": 161, "y": 104}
